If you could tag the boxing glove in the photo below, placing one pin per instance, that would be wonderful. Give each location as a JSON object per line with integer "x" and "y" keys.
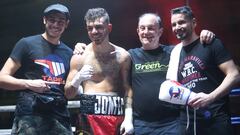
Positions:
{"x": 175, "y": 93}
{"x": 85, "y": 73}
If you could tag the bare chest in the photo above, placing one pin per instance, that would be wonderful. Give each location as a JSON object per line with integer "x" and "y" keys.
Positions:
{"x": 104, "y": 65}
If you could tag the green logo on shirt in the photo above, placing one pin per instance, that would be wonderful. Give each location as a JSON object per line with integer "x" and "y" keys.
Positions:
{"x": 150, "y": 67}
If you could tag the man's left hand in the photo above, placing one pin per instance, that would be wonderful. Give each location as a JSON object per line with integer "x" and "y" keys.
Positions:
{"x": 206, "y": 36}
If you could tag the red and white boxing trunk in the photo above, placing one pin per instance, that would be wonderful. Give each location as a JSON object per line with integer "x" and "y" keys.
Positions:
{"x": 100, "y": 115}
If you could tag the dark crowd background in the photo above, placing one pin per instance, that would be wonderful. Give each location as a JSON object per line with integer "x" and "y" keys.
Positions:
{"x": 20, "y": 18}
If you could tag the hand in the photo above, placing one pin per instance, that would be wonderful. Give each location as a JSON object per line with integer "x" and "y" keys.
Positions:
{"x": 206, "y": 36}
{"x": 126, "y": 128}
{"x": 79, "y": 48}
{"x": 84, "y": 74}
{"x": 200, "y": 100}
{"x": 39, "y": 85}
{"x": 127, "y": 125}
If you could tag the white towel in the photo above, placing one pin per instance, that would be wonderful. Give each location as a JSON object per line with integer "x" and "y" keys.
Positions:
{"x": 173, "y": 63}
{"x": 172, "y": 74}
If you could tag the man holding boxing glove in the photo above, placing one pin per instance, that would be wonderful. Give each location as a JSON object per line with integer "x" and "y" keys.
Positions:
{"x": 208, "y": 70}
{"x": 157, "y": 118}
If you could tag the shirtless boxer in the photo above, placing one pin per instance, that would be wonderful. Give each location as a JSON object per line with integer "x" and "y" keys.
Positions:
{"x": 102, "y": 71}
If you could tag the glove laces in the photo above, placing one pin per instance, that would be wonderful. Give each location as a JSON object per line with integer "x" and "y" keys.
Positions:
{"x": 194, "y": 119}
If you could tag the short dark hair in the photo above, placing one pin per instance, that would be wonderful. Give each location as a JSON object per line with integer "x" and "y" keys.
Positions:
{"x": 186, "y": 10}
{"x": 95, "y": 13}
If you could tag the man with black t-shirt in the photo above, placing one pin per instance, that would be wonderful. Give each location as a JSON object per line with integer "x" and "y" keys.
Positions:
{"x": 44, "y": 61}
{"x": 150, "y": 63}
{"x": 149, "y": 68}
{"x": 208, "y": 70}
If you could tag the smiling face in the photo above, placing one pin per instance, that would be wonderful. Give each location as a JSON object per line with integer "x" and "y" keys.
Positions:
{"x": 55, "y": 24}
{"x": 182, "y": 26}
{"x": 149, "y": 31}
{"x": 98, "y": 30}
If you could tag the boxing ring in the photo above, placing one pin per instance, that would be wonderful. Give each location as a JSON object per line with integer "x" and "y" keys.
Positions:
{"x": 235, "y": 120}
{"x": 11, "y": 108}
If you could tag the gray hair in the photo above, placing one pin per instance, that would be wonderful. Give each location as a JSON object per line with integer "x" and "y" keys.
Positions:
{"x": 158, "y": 18}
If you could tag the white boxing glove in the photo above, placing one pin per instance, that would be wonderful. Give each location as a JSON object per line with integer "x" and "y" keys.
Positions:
{"x": 127, "y": 124}
{"x": 175, "y": 93}
{"x": 85, "y": 73}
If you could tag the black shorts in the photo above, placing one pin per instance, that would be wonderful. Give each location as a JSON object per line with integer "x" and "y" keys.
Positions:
{"x": 100, "y": 115}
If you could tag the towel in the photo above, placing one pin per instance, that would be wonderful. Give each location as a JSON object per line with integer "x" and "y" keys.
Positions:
{"x": 172, "y": 74}
{"x": 173, "y": 63}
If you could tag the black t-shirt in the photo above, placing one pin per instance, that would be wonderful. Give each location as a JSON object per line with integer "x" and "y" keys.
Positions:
{"x": 42, "y": 60}
{"x": 149, "y": 69}
{"x": 198, "y": 70}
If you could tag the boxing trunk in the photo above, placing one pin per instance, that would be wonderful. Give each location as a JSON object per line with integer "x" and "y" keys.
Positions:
{"x": 100, "y": 115}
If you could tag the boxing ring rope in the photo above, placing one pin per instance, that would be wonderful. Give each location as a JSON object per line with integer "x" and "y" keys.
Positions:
{"x": 76, "y": 104}
{"x": 11, "y": 108}
{"x": 235, "y": 120}
{"x": 235, "y": 92}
